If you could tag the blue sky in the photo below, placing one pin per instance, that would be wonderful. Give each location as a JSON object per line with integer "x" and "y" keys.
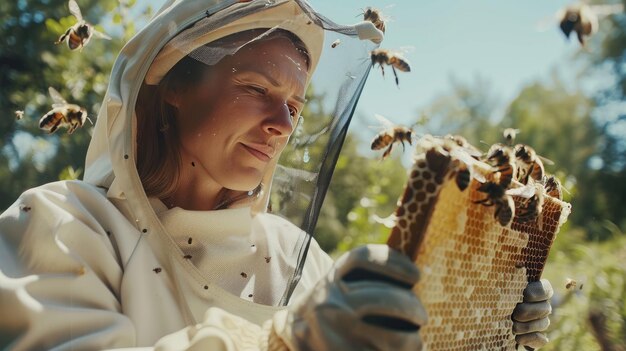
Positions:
{"x": 498, "y": 41}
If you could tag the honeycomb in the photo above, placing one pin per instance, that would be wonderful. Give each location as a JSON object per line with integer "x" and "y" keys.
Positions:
{"x": 473, "y": 269}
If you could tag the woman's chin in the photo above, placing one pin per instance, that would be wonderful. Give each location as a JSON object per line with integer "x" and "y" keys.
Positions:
{"x": 244, "y": 184}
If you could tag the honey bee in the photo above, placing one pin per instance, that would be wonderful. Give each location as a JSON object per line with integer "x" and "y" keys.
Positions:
{"x": 394, "y": 59}
{"x": 509, "y": 135}
{"x": 462, "y": 177}
{"x": 533, "y": 206}
{"x": 62, "y": 114}
{"x": 390, "y": 135}
{"x": 503, "y": 159}
{"x": 553, "y": 187}
{"x": 80, "y": 33}
{"x": 578, "y": 18}
{"x": 376, "y": 17}
{"x": 529, "y": 164}
{"x": 570, "y": 283}
{"x": 19, "y": 114}
{"x": 583, "y": 19}
{"x": 497, "y": 196}
{"x": 335, "y": 43}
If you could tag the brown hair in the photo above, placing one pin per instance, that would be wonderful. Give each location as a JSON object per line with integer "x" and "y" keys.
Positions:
{"x": 158, "y": 154}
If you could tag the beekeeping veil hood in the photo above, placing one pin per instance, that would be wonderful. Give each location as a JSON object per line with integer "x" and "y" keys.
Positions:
{"x": 295, "y": 187}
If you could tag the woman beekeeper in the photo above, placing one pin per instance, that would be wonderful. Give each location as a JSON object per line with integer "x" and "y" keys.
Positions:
{"x": 167, "y": 242}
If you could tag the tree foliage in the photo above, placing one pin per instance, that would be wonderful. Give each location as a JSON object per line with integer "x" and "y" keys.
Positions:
{"x": 31, "y": 62}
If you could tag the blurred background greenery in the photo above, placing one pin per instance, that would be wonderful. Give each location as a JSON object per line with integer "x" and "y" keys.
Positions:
{"x": 582, "y": 132}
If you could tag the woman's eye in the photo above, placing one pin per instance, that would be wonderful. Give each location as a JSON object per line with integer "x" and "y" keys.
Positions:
{"x": 257, "y": 89}
{"x": 293, "y": 111}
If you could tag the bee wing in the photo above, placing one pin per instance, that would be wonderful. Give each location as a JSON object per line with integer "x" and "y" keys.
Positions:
{"x": 385, "y": 122}
{"x": 607, "y": 10}
{"x": 100, "y": 34}
{"x": 462, "y": 154}
{"x": 526, "y": 191}
{"x": 58, "y": 99}
{"x": 512, "y": 130}
{"x": 546, "y": 161}
{"x": 75, "y": 10}
{"x": 389, "y": 221}
{"x": 405, "y": 49}
{"x": 478, "y": 176}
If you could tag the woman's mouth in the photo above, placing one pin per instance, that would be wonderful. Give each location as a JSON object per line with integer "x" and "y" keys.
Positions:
{"x": 262, "y": 152}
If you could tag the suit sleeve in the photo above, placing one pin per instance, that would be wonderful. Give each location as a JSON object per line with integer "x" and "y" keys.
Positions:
{"x": 59, "y": 278}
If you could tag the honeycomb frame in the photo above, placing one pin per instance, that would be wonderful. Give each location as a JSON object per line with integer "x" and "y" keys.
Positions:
{"x": 473, "y": 270}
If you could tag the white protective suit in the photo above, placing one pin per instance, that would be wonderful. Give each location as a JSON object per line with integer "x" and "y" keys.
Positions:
{"x": 95, "y": 264}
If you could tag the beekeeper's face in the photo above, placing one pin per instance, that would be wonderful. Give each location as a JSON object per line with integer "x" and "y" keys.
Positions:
{"x": 242, "y": 113}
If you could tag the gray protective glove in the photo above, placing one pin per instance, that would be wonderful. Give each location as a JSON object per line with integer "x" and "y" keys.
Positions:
{"x": 530, "y": 317}
{"x": 364, "y": 303}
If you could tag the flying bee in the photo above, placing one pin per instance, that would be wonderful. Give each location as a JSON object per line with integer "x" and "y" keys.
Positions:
{"x": 335, "y": 43}
{"x": 509, "y": 135}
{"x": 529, "y": 164}
{"x": 376, "y": 17}
{"x": 62, "y": 114}
{"x": 580, "y": 19}
{"x": 583, "y": 19}
{"x": 19, "y": 114}
{"x": 390, "y": 135}
{"x": 553, "y": 187}
{"x": 497, "y": 196}
{"x": 503, "y": 159}
{"x": 394, "y": 59}
{"x": 570, "y": 283}
{"x": 80, "y": 33}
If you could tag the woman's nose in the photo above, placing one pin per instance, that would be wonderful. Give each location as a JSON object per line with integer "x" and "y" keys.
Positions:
{"x": 280, "y": 121}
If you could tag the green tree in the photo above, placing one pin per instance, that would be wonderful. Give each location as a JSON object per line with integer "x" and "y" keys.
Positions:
{"x": 31, "y": 63}
{"x": 608, "y": 61}
{"x": 468, "y": 109}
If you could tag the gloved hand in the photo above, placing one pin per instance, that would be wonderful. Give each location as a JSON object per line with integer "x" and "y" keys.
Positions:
{"x": 530, "y": 317}
{"x": 365, "y": 302}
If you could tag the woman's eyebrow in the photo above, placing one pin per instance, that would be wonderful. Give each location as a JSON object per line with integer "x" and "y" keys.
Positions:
{"x": 274, "y": 82}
